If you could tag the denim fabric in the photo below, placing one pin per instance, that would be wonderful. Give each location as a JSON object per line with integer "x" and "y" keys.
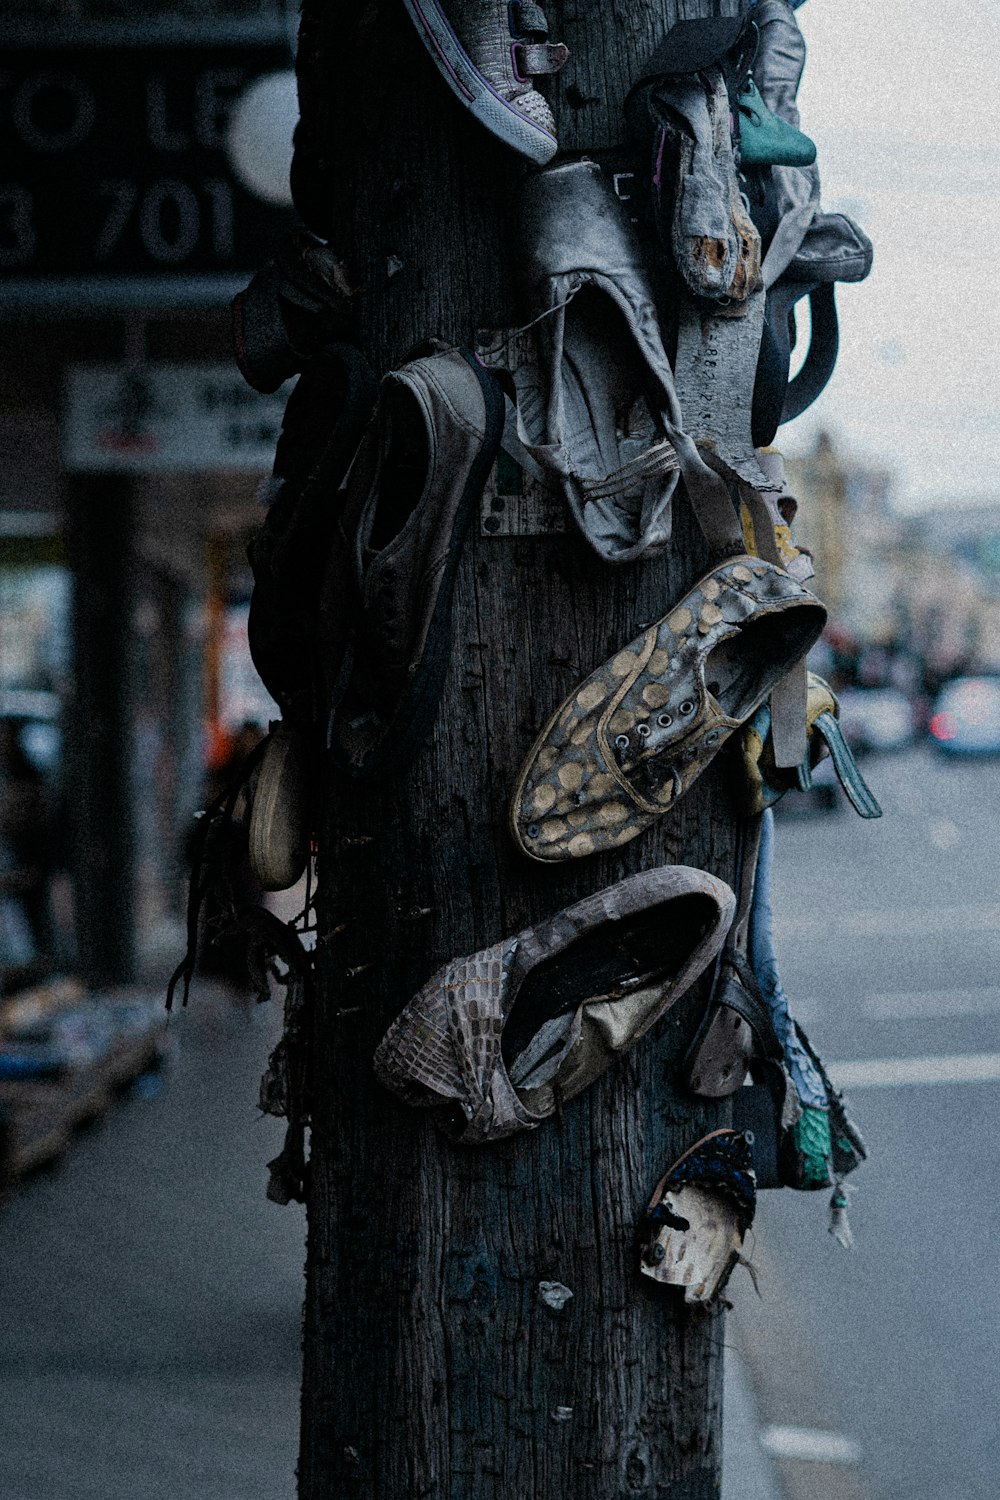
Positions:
{"x": 805, "y": 1077}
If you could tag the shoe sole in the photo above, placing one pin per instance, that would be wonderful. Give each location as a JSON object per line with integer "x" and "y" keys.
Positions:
{"x": 473, "y": 90}
{"x": 278, "y": 838}
{"x": 414, "y": 719}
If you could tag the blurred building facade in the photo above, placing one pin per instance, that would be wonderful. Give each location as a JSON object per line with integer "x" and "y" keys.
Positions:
{"x": 920, "y": 590}
{"x": 132, "y": 453}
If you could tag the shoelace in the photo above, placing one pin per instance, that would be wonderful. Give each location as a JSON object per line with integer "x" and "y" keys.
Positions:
{"x": 658, "y": 460}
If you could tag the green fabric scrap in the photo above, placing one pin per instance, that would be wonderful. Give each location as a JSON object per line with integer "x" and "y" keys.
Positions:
{"x": 814, "y": 1143}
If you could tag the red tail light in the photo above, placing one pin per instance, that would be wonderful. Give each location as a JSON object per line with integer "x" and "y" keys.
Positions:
{"x": 942, "y": 726}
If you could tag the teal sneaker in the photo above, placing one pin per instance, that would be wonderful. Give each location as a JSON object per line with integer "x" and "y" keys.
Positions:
{"x": 765, "y": 139}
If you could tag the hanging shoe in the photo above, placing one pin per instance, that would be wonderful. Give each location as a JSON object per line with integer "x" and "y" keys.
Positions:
{"x": 794, "y": 191}
{"x": 386, "y": 614}
{"x": 610, "y": 431}
{"x": 765, "y": 139}
{"x": 325, "y": 416}
{"x": 637, "y": 733}
{"x": 805, "y": 249}
{"x": 803, "y": 1135}
{"x": 489, "y": 52}
{"x": 296, "y": 303}
{"x": 279, "y": 825}
{"x": 736, "y": 1027}
{"x": 498, "y": 1040}
{"x": 706, "y": 238}
{"x": 701, "y": 221}
{"x": 698, "y": 1216}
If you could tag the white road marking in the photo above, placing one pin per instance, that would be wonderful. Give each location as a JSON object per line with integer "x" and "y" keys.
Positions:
{"x": 908, "y": 1005}
{"x": 811, "y": 1444}
{"x": 897, "y": 1072}
{"x": 909, "y": 921}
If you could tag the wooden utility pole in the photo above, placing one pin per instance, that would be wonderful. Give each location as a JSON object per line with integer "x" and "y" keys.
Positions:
{"x": 432, "y": 1367}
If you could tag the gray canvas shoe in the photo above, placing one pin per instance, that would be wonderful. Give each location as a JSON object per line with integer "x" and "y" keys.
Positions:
{"x": 823, "y": 247}
{"x": 781, "y": 57}
{"x": 386, "y": 611}
{"x": 497, "y": 1040}
{"x": 488, "y": 52}
{"x": 611, "y": 431}
{"x": 697, "y": 206}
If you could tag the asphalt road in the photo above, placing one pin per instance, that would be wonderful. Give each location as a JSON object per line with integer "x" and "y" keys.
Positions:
{"x": 150, "y": 1295}
{"x": 877, "y": 1367}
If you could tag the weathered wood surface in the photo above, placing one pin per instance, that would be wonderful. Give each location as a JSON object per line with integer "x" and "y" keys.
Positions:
{"x": 432, "y": 1369}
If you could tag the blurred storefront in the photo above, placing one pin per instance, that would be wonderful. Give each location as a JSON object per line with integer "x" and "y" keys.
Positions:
{"x": 132, "y": 453}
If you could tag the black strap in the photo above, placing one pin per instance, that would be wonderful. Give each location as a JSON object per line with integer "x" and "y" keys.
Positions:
{"x": 739, "y": 992}
{"x": 824, "y": 342}
{"x": 690, "y": 46}
{"x": 204, "y": 871}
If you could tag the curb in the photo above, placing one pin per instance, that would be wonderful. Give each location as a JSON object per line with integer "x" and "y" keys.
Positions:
{"x": 747, "y": 1473}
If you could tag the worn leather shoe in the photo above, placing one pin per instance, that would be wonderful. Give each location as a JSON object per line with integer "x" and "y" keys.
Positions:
{"x": 325, "y": 416}
{"x": 698, "y": 1215}
{"x": 386, "y": 617}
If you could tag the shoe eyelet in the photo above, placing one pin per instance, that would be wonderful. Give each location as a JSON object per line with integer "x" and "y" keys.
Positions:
{"x": 643, "y": 730}
{"x": 621, "y": 741}
{"x": 532, "y": 830}
{"x": 665, "y": 721}
{"x": 687, "y": 707}
{"x": 713, "y": 736}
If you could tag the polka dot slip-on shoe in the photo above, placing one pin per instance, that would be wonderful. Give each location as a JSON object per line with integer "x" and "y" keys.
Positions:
{"x": 497, "y": 1040}
{"x": 637, "y": 733}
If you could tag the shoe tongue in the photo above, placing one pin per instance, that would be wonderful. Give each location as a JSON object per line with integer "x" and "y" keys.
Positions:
{"x": 540, "y": 1060}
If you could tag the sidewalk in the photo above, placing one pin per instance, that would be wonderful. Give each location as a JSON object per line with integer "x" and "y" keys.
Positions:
{"x": 150, "y": 1295}
{"x": 151, "y": 1298}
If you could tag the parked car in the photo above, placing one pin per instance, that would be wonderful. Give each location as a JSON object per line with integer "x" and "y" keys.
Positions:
{"x": 966, "y": 717}
{"x": 876, "y": 719}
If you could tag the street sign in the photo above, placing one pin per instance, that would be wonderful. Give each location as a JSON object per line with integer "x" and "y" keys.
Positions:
{"x": 167, "y": 418}
{"x": 115, "y": 167}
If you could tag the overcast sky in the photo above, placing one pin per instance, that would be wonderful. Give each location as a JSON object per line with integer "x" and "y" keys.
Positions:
{"x": 903, "y": 100}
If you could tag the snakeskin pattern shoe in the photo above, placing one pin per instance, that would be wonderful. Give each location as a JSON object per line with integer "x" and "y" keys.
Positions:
{"x": 639, "y": 731}
{"x": 488, "y": 52}
{"x": 497, "y": 1040}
